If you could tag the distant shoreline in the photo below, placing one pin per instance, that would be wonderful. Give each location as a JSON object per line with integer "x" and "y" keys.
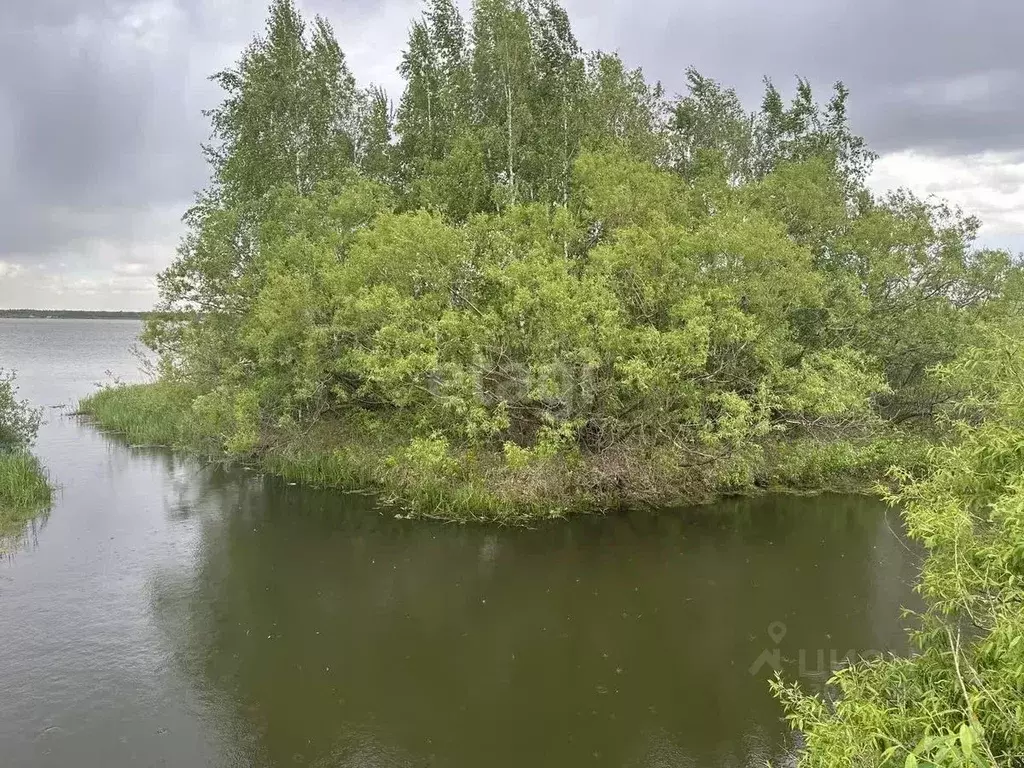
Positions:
{"x": 71, "y": 314}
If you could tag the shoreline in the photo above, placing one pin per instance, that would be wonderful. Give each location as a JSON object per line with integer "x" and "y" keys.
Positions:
{"x": 426, "y": 478}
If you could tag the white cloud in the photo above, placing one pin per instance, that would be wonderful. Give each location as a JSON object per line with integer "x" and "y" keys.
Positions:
{"x": 9, "y": 270}
{"x": 989, "y": 185}
{"x": 45, "y": 289}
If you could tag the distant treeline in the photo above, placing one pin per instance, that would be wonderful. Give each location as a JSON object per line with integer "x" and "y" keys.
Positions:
{"x": 74, "y": 314}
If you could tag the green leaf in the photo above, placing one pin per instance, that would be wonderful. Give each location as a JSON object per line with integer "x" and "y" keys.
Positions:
{"x": 966, "y": 740}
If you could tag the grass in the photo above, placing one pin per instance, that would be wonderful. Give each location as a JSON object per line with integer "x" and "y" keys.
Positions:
{"x": 24, "y": 490}
{"x": 842, "y": 465}
{"x": 351, "y": 456}
{"x": 377, "y": 455}
{"x": 145, "y": 414}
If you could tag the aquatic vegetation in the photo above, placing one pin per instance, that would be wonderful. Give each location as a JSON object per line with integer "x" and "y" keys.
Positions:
{"x": 149, "y": 415}
{"x": 24, "y": 489}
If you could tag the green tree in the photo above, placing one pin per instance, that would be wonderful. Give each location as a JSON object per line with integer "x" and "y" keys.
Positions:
{"x": 503, "y": 82}
{"x": 436, "y": 106}
{"x": 290, "y": 117}
{"x": 804, "y": 131}
{"x": 449, "y": 39}
{"x": 374, "y": 152}
{"x": 288, "y": 113}
{"x": 559, "y": 100}
{"x": 710, "y": 132}
{"x": 418, "y": 122}
{"x": 623, "y": 109}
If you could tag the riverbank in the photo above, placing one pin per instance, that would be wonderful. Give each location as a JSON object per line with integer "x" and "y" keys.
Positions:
{"x": 24, "y": 490}
{"x": 434, "y": 479}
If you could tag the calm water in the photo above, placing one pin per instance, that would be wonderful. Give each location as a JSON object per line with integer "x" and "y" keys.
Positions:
{"x": 173, "y": 614}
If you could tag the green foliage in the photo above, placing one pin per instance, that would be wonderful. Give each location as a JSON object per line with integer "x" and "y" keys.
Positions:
{"x": 711, "y": 132}
{"x": 19, "y": 422}
{"x": 849, "y": 463}
{"x": 809, "y": 389}
{"x": 960, "y": 700}
{"x": 543, "y": 262}
{"x": 289, "y": 116}
{"x": 24, "y": 489}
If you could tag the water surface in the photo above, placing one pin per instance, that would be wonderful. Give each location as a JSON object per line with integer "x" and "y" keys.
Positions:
{"x": 171, "y": 613}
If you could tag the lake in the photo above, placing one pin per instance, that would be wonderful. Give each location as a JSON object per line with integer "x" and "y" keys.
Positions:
{"x": 172, "y": 613}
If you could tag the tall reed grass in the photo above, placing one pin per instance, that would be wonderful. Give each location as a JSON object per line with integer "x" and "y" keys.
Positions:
{"x": 24, "y": 489}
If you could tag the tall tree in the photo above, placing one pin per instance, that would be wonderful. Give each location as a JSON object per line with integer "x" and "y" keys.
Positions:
{"x": 417, "y": 123}
{"x": 559, "y": 99}
{"x": 503, "y": 79}
{"x": 448, "y": 38}
{"x": 330, "y": 108}
{"x": 804, "y": 130}
{"x": 435, "y": 107}
{"x": 287, "y": 121}
{"x": 288, "y": 114}
{"x": 374, "y": 154}
{"x": 709, "y": 130}
{"x": 623, "y": 109}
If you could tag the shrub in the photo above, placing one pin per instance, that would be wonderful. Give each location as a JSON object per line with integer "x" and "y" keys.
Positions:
{"x": 19, "y": 422}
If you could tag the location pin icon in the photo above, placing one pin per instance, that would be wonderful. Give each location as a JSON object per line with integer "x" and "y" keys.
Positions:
{"x": 776, "y": 631}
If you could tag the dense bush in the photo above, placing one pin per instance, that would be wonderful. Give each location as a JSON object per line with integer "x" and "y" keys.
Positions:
{"x": 19, "y": 422}
{"x": 544, "y": 259}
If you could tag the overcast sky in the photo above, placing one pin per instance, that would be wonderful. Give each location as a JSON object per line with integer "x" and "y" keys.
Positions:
{"x": 100, "y": 108}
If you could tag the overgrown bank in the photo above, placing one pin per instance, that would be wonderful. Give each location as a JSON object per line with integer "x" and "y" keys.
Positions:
{"x": 430, "y": 478}
{"x": 24, "y": 488}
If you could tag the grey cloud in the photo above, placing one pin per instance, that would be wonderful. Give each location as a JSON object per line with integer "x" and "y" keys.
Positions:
{"x": 101, "y": 110}
{"x": 95, "y": 123}
{"x": 943, "y": 76}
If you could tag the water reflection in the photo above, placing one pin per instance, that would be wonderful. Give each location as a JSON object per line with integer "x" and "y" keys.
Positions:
{"x": 320, "y": 632}
{"x": 23, "y": 538}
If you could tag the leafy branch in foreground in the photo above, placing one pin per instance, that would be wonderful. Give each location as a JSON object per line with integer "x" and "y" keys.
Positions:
{"x": 960, "y": 700}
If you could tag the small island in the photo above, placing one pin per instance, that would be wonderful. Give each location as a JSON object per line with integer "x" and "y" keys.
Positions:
{"x": 541, "y": 286}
